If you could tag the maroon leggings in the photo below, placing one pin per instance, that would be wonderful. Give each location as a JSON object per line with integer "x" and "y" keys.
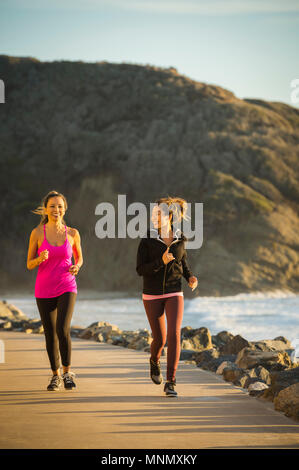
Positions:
{"x": 174, "y": 308}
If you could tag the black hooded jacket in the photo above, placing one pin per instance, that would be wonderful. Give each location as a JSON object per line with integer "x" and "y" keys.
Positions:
{"x": 160, "y": 278}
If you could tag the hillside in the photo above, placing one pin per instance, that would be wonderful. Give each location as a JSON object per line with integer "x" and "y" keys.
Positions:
{"x": 97, "y": 130}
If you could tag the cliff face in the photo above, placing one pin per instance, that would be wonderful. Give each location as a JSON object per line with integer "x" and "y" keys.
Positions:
{"x": 97, "y": 130}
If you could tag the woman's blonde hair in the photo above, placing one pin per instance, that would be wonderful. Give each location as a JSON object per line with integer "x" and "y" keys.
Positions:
{"x": 177, "y": 207}
{"x": 40, "y": 210}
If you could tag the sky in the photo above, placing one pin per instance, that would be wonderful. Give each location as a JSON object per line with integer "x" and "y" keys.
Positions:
{"x": 250, "y": 48}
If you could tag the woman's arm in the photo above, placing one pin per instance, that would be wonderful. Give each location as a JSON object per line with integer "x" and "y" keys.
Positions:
{"x": 186, "y": 269}
{"x": 188, "y": 275}
{"x": 77, "y": 253}
{"x": 32, "y": 260}
{"x": 143, "y": 267}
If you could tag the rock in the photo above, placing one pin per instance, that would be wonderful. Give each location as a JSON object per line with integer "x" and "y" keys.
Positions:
{"x": 187, "y": 344}
{"x": 250, "y": 381}
{"x": 98, "y": 324}
{"x": 225, "y": 364}
{"x": 271, "y": 345}
{"x": 11, "y": 312}
{"x": 281, "y": 380}
{"x": 35, "y": 322}
{"x": 86, "y": 334}
{"x": 221, "y": 338}
{"x": 256, "y": 389}
{"x": 100, "y": 338}
{"x": 241, "y": 381}
{"x": 263, "y": 374}
{"x": 6, "y": 325}
{"x": 273, "y": 360}
{"x": 205, "y": 359}
{"x": 139, "y": 343}
{"x": 234, "y": 345}
{"x": 76, "y": 330}
{"x": 232, "y": 374}
{"x": 214, "y": 363}
{"x": 117, "y": 340}
{"x": 205, "y": 355}
{"x": 39, "y": 330}
{"x": 103, "y": 328}
{"x": 186, "y": 354}
{"x": 287, "y": 401}
{"x": 283, "y": 339}
{"x": 196, "y": 339}
{"x": 246, "y": 377}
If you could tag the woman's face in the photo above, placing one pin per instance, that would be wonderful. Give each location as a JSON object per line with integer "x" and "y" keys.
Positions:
{"x": 159, "y": 219}
{"x": 55, "y": 209}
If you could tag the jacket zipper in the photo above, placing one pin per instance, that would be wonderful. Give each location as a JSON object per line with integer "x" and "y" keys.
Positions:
{"x": 165, "y": 268}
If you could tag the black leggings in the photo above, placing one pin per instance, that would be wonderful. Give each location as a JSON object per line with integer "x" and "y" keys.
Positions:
{"x": 56, "y": 315}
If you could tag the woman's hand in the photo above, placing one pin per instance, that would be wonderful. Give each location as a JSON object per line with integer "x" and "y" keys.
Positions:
{"x": 43, "y": 255}
{"x": 193, "y": 282}
{"x": 167, "y": 257}
{"x": 74, "y": 269}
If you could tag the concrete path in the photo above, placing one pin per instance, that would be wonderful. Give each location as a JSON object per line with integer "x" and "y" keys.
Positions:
{"x": 116, "y": 406}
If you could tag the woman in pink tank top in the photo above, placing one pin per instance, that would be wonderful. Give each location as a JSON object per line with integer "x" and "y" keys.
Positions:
{"x": 53, "y": 275}
{"x": 51, "y": 248}
{"x": 162, "y": 292}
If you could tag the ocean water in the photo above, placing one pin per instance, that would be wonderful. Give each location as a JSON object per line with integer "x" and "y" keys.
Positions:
{"x": 254, "y": 316}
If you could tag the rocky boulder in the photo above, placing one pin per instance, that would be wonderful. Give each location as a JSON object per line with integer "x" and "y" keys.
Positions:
{"x": 221, "y": 339}
{"x": 102, "y": 328}
{"x": 196, "y": 339}
{"x": 287, "y": 401}
{"x": 257, "y": 389}
{"x": 281, "y": 380}
{"x": 11, "y": 312}
{"x": 210, "y": 359}
{"x": 248, "y": 358}
{"x": 276, "y": 344}
{"x": 234, "y": 345}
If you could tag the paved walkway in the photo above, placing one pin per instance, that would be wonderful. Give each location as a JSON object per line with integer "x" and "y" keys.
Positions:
{"x": 116, "y": 406}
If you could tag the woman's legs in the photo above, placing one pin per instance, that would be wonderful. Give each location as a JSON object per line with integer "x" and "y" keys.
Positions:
{"x": 65, "y": 309}
{"x": 56, "y": 315}
{"x": 155, "y": 313}
{"x": 48, "y": 313}
{"x": 174, "y": 309}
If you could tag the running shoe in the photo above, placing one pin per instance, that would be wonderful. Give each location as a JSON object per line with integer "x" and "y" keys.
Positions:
{"x": 55, "y": 384}
{"x": 169, "y": 389}
{"x": 68, "y": 380}
{"x": 155, "y": 373}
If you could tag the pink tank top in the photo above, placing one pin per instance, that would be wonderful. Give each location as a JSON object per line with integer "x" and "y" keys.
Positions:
{"x": 53, "y": 276}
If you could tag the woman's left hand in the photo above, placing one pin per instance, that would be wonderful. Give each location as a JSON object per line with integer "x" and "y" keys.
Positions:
{"x": 74, "y": 269}
{"x": 193, "y": 282}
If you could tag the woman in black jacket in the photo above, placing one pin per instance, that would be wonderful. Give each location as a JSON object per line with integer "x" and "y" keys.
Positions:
{"x": 162, "y": 261}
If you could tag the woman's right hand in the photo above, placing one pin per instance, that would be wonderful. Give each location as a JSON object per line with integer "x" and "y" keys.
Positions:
{"x": 43, "y": 255}
{"x": 167, "y": 257}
